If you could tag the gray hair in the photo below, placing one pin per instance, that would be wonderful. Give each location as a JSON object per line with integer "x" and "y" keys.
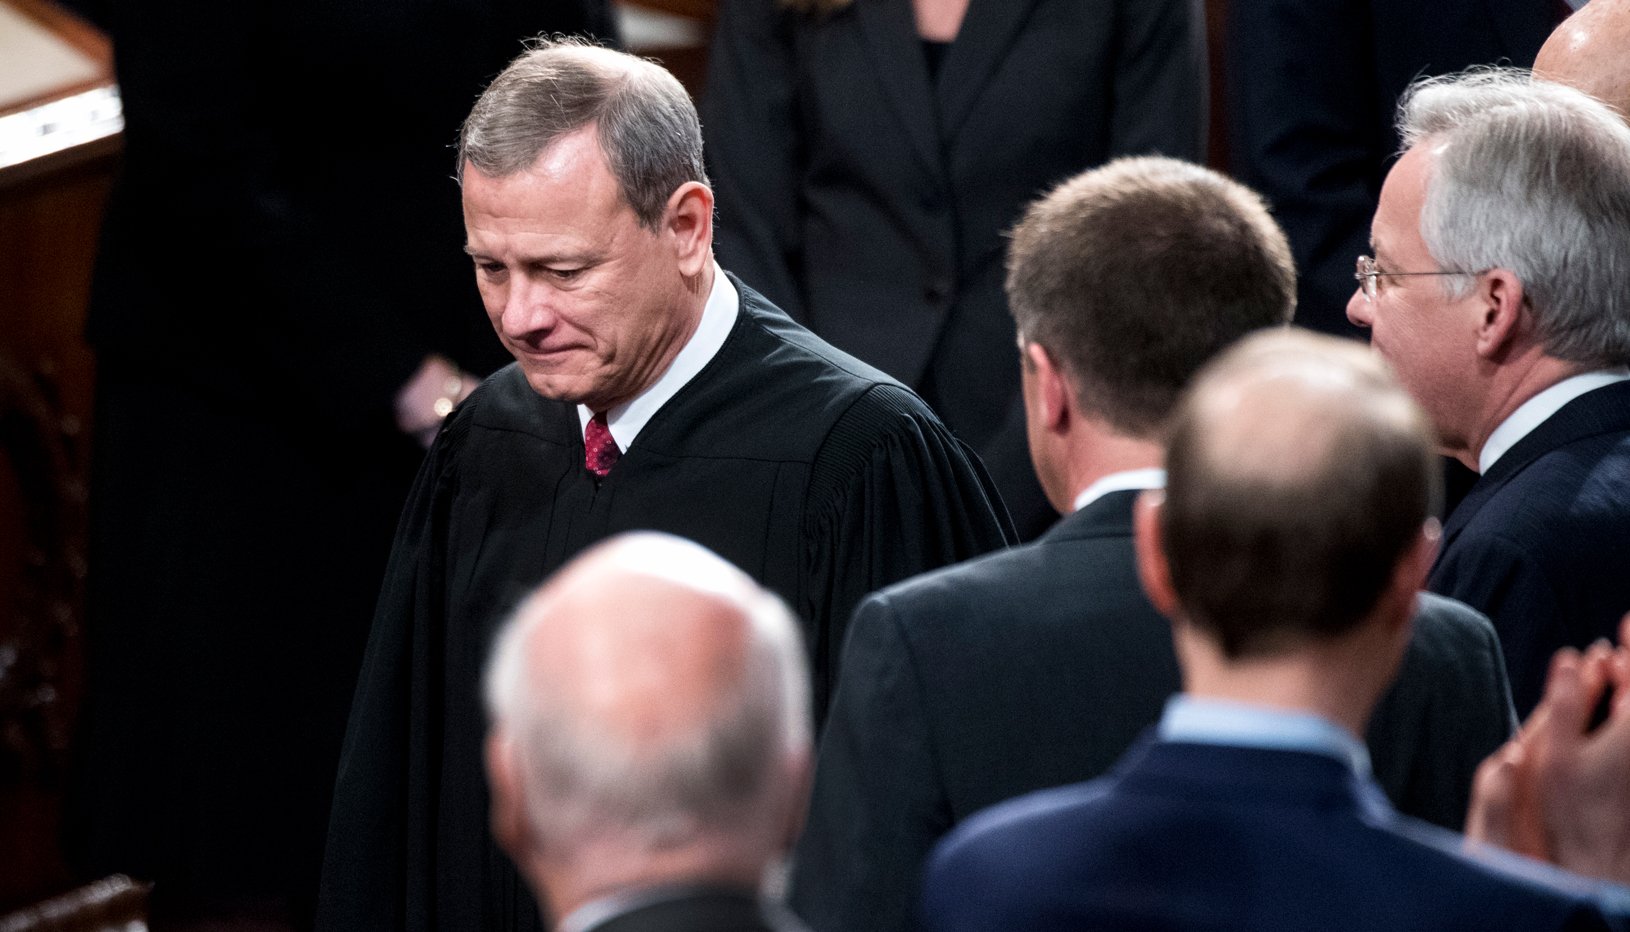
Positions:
{"x": 584, "y": 783}
{"x": 645, "y": 120}
{"x": 1535, "y": 178}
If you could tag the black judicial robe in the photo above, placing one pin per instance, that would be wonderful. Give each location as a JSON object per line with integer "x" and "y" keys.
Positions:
{"x": 821, "y": 477}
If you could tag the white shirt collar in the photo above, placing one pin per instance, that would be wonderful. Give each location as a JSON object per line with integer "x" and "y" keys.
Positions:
{"x": 1536, "y": 410}
{"x": 718, "y": 317}
{"x": 596, "y": 913}
{"x": 1120, "y": 482}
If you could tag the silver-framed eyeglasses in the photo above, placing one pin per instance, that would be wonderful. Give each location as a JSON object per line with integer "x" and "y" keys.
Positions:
{"x": 1368, "y": 272}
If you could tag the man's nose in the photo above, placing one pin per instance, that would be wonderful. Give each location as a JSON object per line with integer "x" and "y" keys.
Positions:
{"x": 528, "y": 308}
{"x": 1360, "y": 310}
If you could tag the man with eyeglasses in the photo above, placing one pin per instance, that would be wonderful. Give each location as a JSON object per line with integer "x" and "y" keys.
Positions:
{"x": 1500, "y": 292}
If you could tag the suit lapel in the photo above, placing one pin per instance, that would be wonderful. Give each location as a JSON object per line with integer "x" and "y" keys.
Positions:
{"x": 1605, "y": 410}
{"x": 989, "y": 29}
{"x": 890, "y": 33}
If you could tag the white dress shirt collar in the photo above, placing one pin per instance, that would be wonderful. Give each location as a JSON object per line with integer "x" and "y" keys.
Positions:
{"x": 1120, "y": 482}
{"x": 718, "y": 317}
{"x": 1536, "y": 410}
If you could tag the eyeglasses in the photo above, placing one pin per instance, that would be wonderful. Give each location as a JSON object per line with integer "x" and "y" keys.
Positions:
{"x": 1368, "y": 273}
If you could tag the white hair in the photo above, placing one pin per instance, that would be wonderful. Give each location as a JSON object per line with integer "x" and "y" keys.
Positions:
{"x": 1534, "y": 177}
{"x": 584, "y": 784}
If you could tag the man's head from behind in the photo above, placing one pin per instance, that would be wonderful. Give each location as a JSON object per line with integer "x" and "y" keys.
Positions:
{"x": 1588, "y": 51}
{"x": 1300, "y": 478}
{"x": 650, "y": 724}
{"x": 589, "y": 218}
{"x": 1500, "y": 243}
{"x": 1127, "y": 278}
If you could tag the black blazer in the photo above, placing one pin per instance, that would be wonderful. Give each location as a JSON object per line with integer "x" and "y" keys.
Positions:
{"x": 869, "y": 200}
{"x": 1312, "y": 89}
{"x": 1542, "y": 542}
{"x": 1039, "y": 666}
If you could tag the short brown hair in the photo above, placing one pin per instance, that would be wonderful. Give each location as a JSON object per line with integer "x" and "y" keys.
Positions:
{"x": 1134, "y": 274}
{"x": 1298, "y": 474}
{"x": 645, "y": 121}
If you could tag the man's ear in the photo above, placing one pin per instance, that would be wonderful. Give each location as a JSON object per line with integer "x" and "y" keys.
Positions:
{"x": 1153, "y": 569}
{"x": 1053, "y": 395}
{"x": 689, "y": 219}
{"x": 798, "y": 778}
{"x": 1501, "y": 305}
{"x": 508, "y": 816}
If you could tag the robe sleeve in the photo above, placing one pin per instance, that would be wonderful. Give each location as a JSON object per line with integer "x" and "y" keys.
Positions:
{"x": 892, "y": 494}
{"x": 378, "y": 868}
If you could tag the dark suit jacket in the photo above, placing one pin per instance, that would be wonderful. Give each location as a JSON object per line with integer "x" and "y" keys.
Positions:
{"x": 869, "y": 200}
{"x": 1542, "y": 542}
{"x": 1312, "y": 87}
{"x": 1039, "y": 666}
{"x": 705, "y": 911}
{"x": 1199, "y": 836}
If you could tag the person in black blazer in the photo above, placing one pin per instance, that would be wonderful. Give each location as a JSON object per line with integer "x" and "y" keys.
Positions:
{"x": 1515, "y": 335}
{"x": 865, "y": 182}
{"x": 650, "y": 747}
{"x": 1311, "y": 90}
{"x": 1286, "y": 549}
{"x": 1039, "y": 665}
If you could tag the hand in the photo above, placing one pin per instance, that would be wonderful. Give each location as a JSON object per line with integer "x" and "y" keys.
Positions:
{"x": 430, "y": 396}
{"x": 1560, "y": 790}
{"x": 1503, "y": 810}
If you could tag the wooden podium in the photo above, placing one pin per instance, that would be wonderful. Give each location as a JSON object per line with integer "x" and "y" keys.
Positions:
{"x": 59, "y": 144}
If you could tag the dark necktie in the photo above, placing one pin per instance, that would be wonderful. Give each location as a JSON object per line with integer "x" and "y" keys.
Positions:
{"x": 600, "y": 452}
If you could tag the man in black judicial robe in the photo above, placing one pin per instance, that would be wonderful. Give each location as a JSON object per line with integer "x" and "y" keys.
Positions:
{"x": 646, "y": 394}
{"x": 279, "y": 260}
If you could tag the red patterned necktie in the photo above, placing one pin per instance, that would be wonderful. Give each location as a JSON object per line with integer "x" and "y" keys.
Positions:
{"x": 600, "y": 452}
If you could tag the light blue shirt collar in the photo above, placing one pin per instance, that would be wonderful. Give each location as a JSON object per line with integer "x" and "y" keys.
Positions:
{"x": 1213, "y": 721}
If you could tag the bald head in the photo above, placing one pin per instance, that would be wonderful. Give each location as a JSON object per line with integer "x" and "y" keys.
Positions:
{"x": 1299, "y": 475}
{"x": 649, "y": 703}
{"x": 1591, "y": 51}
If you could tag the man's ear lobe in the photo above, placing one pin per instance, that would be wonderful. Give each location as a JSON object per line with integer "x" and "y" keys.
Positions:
{"x": 689, "y": 218}
{"x": 1502, "y": 304}
{"x": 1053, "y": 389}
{"x": 1154, "y": 571}
{"x": 508, "y": 816}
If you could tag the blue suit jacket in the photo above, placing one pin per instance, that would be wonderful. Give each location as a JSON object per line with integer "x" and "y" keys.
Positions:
{"x": 1197, "y": 836}
{"x": 1541, "y": 544}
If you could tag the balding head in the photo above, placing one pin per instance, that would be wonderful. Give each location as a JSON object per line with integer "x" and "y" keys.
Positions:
{"x": 1299, "y": 476}
{"x": 1591, "y": 51}
{"x": 650, "y": 719}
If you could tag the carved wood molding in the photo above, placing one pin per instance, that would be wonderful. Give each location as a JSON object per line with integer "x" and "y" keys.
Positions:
{"x": 45, "y": 451}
